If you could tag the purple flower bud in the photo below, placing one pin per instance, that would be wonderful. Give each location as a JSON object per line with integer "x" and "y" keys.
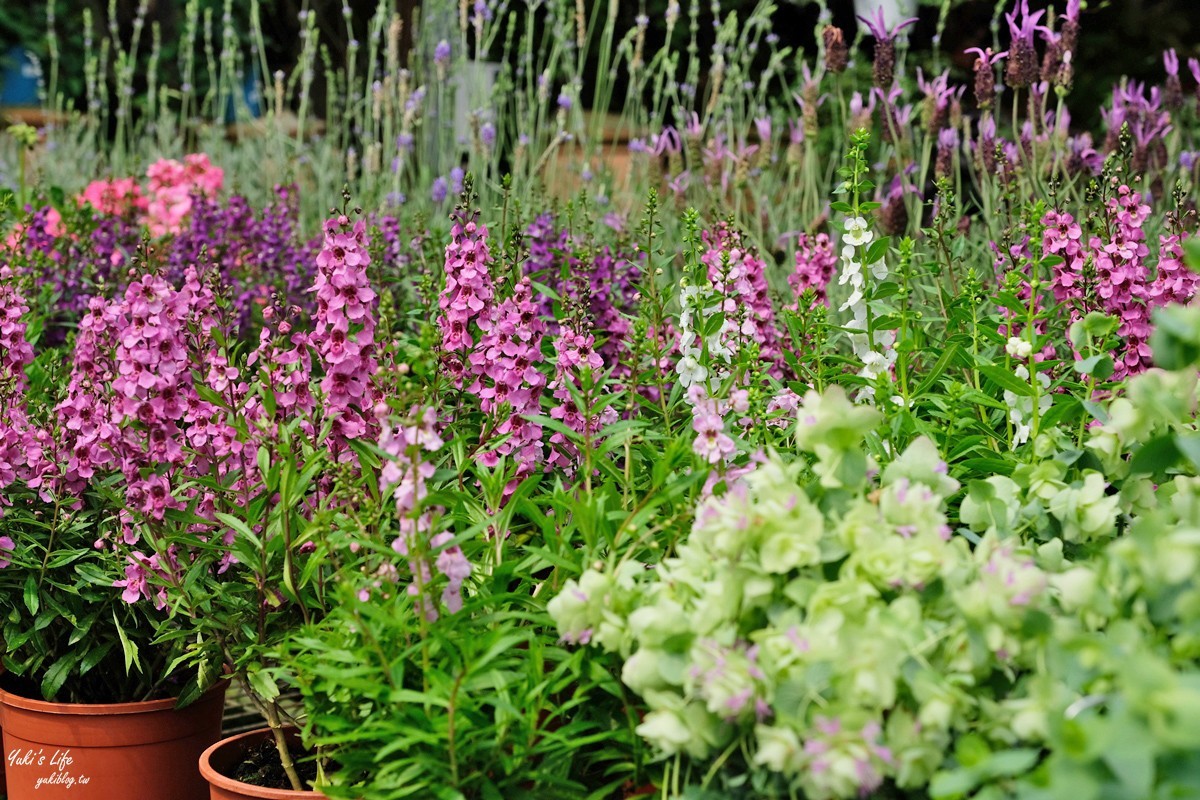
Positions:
{"x": 487, "y": 134}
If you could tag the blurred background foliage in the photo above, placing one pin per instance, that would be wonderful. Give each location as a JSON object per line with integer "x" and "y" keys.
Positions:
{"x": 1120, "y": 37}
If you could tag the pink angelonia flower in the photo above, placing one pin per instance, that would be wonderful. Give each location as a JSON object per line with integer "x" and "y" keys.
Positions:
{"x": 815, "y": 266}
{"x": 508, "y": 381}
{"x": 467, "y": 297}
{"x": 744, "y": 282}
{"x": 343, "y": 331}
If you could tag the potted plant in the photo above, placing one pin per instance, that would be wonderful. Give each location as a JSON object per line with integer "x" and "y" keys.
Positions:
{"x": 93, "y": 705}
{"x": 232, "y": 537}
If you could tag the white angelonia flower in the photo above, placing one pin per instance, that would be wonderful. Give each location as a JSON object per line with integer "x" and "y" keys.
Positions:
{"x": 858, "y": 232}
{"x": 854, "y": 299}
{"x": 876, "y": 362}
{"x": 1020, "y": 408}
{"x": 690, "y": 371}
{"x": 1018, "y": 348}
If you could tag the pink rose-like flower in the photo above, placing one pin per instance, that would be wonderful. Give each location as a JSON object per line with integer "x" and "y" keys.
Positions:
{"x": 173, "y": 184}
{"x": 118, "y": 197}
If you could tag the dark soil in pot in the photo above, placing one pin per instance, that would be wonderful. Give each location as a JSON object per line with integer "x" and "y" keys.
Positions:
{"x": 261, "y": 767}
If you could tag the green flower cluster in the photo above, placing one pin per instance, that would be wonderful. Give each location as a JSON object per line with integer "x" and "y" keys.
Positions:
{"x": 836, "y": 628}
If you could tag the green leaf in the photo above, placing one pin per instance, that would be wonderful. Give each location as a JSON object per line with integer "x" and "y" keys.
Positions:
{"x": 937, "y": 370}
{"x": 1131, "y": 757}
{"x": 94, "y": 656}
{"x": 32, "y": 601}
{"x": 1099, "y": 366}
{"x": 545, "y": 290}
{"x": 953, "y": 785}
{"x": 1065, "y": 409}
{"x": 1191, "y": 254}
{"x": 877, "y": 250}
{"x": 57, "y": 675}
{"x": 972, "y": 750}
{"x": 1005, "y": 379}
{"x": 1189, "y": 446}
{"x": 1010, "y": 763}
{"x": 129, "y": 648}
{"x": 263, "y": 684}
{"x": 1155, "y": 456}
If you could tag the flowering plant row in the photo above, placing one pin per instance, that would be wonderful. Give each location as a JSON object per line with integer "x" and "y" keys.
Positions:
{"x": 550, "y": 499}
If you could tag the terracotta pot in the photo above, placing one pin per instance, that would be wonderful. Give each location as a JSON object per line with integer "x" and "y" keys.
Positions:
{"x": 222, "y": 759}
{"x": 134, "y": 751}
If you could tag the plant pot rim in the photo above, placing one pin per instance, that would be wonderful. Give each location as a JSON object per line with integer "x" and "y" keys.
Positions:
{"x": 8, "y": 698}
{"x": 247, "y": 789}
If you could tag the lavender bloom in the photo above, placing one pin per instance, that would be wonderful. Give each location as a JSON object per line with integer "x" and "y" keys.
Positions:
{"x": 564, "y": 101}
{"x": 456, "y": 179}
{"x": 615, "y": 221}
{"x": 1022, "y": 62}
{"x": 985, "y": 77}
{"x": 947, "y": 144}
{"x": 413, "y": 104}
{"x": 667, "y": 142}
{"x": 884, "y": 66}
{"x": 938, "y": 95}
{"x": 1174, "y": 89}
{"x": 795, "y": 132}
{"x": 441, "y": 53}
{"x": 1171, "y": 62}
{"x": 439, "y": 190}
{"x": 763, "y": 126}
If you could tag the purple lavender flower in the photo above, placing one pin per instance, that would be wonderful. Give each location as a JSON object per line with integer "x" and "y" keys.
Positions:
{"x": 439, "y": 190}
{"x": 884, "y": 66}
{"x": 441, "y": 54}
{"x": 985, "y": 77}
{"x": 947, "y": 144}
{"x": 1174, "y": 89}
{"x": 1022, "y": 62}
